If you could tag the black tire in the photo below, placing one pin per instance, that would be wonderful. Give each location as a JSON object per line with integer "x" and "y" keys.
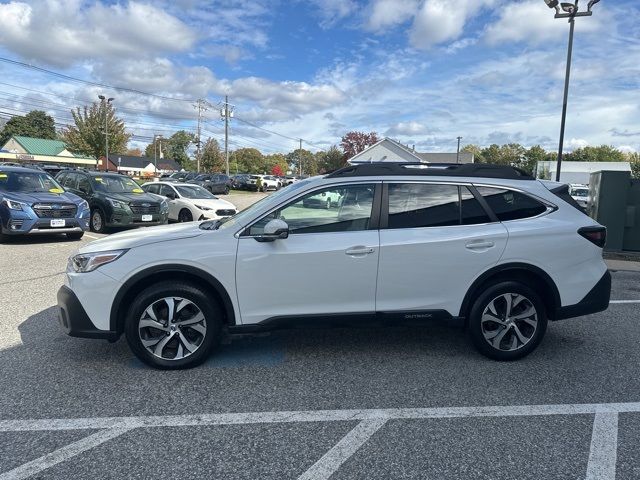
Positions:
{"x": 226, "y": 190}
{"x": 185, "y": 216}
{"x": 209, "y": 308}
{"x": 477, "y": 330}
{"x": 4, "y": 238}
{"x": 75, "y": 235}
{"x": 97, "y": 226}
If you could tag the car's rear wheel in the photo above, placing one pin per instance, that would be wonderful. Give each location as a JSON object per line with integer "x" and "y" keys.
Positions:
{"x": 173, "y": 325}
{"x": 507, "y": 321}
{"x": 98, "y": 221}
{"x": 75, "y": 235}
{"x": 226, "y": 190}
{"x": 185, "y": 216}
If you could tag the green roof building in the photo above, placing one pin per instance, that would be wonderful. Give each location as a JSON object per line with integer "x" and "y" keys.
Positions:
{"x": 28, "y": 149}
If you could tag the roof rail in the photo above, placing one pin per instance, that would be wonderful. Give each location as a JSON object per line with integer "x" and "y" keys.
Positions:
{"x": 482, "y": 170}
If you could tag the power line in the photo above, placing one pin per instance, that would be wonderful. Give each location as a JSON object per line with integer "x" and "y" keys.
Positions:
{"x": 88, "y": 82}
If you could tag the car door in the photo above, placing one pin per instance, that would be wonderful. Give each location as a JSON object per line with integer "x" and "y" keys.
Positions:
{"x": 174, "y": 203}
{"x": 327, "y": 265}
{"x": 435, "y": 240}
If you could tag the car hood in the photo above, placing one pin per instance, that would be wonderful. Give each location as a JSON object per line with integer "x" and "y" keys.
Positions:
{"x": 137, "y": 197}
{"x": 144, "y": 236}
{"x": 41, "y": 197}
{"x": 216, "y": 204}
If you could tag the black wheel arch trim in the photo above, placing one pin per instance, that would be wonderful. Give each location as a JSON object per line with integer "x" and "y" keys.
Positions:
{"x": 115, "y": 322}
{"x": 472, "y": 292}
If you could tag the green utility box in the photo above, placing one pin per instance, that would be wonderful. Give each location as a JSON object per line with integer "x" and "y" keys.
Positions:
{"x": 614, "y": 201}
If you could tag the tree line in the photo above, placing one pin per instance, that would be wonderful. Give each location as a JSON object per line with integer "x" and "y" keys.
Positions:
{"x": 86, "y": 137}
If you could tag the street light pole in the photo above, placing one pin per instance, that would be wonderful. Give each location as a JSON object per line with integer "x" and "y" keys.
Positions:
{"x": 571, "y": 11}
{"x": 458, "y": 152}
{"x": 106, "y": 102}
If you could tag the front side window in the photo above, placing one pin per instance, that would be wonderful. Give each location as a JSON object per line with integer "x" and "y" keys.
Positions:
{"x": 511, "y": 205}
{"x": 151, "y": 188}
{"x": 83, "y": 184}
{"x": 335, "y": 209}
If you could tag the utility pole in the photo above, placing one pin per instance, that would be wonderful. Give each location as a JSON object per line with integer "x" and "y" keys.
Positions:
{"x": 155, "y": 152}
{"x": 202, "y": 106}
{"x": 300, "y": 157}
{"x": 458, "y": 152}
{"x": 106, "y": 102}
{"x": 226, "y": 113}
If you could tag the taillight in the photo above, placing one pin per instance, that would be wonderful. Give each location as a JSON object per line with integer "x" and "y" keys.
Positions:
{"x": 596, "y": 235}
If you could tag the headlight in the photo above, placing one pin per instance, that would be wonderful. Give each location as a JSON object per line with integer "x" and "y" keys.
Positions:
{"x": 88, "y": 262}
{"x": 117, "y": 203}
{"x": 84, "y": 205}
{"x": 13, "y": 205}
{"x": 203, "y": 208}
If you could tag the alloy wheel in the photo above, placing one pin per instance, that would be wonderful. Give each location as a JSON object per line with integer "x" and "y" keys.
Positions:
{"x": 172, "y": 328}
{"x": 96, "y": 221}
{"x": 509, "y": 322}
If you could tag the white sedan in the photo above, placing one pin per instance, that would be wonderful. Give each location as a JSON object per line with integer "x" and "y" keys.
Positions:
{"x": 189, "y": 202}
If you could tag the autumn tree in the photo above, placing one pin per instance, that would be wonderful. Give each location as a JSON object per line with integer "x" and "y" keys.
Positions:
{"x": 277, "y": 171}
{"x": 133, "y": 152}
{"x": 276, "y": 160}
{"x": 87, "y": 136}
{"x": 355, "y": 142}
{"x": 35, "y": 124}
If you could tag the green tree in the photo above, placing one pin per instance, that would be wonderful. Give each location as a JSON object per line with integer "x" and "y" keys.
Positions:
{"x": 35, "y": 124}
{"x": 247, "y": 160}
{"x": 276, "y": 160}
{"x": 331, "y": 160}
{"x": 211, "y": 158}
{"x": 309, "y": 166}
{"x": 477, "y": 152}
{"x": 603, "y": 153}
{"x": 531, "y": 158}
{"x": 177, "y": 146}
{"x": 87, "y": 137}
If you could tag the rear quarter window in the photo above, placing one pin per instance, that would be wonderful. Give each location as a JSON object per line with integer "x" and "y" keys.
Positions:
{"x": 511, "y": 205}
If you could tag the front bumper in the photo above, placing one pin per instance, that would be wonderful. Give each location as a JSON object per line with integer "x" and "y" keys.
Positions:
{"x": 24, "y": 223}
{"x": 120, "y": 218}
{"x": 597, "y": 300}
{"x": 74, "y": 319}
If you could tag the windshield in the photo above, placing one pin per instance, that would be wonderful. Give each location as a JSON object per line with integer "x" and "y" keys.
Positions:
{"x": 116, "y": 184}
{"x": 195, "y": 192}
{"x": 247, "y": 214}
{"x": 28, "y": 182}
{"x": 202, "y": 177}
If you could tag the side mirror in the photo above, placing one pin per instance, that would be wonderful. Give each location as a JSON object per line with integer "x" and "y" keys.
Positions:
{"x": 171, "y": 195}
{"x": 275, "y": 229}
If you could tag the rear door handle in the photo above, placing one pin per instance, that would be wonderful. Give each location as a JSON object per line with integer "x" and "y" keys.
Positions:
{"x": 359, "y": 251}
{"x": 480, "y": 245}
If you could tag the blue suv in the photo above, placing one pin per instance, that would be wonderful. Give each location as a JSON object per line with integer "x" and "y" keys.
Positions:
{"x": 32, "y": 202}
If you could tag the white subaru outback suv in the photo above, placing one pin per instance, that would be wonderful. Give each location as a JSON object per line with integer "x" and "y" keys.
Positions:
{"x": 482, "y": 244}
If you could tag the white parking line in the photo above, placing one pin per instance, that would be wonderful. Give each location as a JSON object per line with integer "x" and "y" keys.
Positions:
{"x": 62, "y": 454}
{"x": 343, "y": 450}
{"x": 604, "y": 445}
{"x": 91, "y": 236}
{"x": 314, "y": 416}
{"x": 624, "y": 301}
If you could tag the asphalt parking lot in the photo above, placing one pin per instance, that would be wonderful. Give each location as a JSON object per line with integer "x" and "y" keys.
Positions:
{"x": 344, "y": 404}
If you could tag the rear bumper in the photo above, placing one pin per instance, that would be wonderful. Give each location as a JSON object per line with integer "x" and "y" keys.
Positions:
{"x": 597, "y": 300}
{"x": 74, "y": 319}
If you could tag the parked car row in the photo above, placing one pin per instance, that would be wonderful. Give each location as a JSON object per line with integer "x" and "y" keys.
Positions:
{"x": 33, "y": 202}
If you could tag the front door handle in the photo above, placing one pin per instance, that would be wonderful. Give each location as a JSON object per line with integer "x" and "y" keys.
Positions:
{"x": 480, "y": 245}
{"x": 359, "y": 251}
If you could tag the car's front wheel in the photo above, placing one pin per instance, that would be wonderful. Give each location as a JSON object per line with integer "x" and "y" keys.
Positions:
{"x": 507, "y": 321}
{"x": 173, "y": 325}
{"x": 185, "y": 216}
{"x": 98, "y": 221}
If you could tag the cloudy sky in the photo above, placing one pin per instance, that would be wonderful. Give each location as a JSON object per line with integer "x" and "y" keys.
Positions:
{"x": 420, "y": 71}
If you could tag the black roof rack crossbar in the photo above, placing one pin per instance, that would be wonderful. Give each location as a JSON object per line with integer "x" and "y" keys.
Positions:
{"x": 481, "y": 170}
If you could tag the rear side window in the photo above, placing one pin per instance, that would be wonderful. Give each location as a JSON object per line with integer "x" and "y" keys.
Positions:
{"x": 510, "y": 205}
{"x": 472, "y": 213}
{"x": 415, "y": 205}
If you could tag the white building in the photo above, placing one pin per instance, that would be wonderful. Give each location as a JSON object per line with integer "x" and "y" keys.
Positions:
{"x": 578, "y": 172}
{"x": 388, "y": 150}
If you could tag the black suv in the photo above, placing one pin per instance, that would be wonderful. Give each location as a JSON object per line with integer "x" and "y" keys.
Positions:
{"x": 115, "y": 200}
{"x": 214, "y": 182}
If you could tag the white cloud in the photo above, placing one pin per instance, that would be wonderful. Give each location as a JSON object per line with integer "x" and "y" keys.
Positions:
{"x": 332, "y": 11}
{"x": 530, "y": 21}
{"x": 389, "y": 13}
{"x": 576, "y": 143}
{"x": 99, "y": 31}
{"x": 439, "y": 21}
{"x": 407, "y": 129}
